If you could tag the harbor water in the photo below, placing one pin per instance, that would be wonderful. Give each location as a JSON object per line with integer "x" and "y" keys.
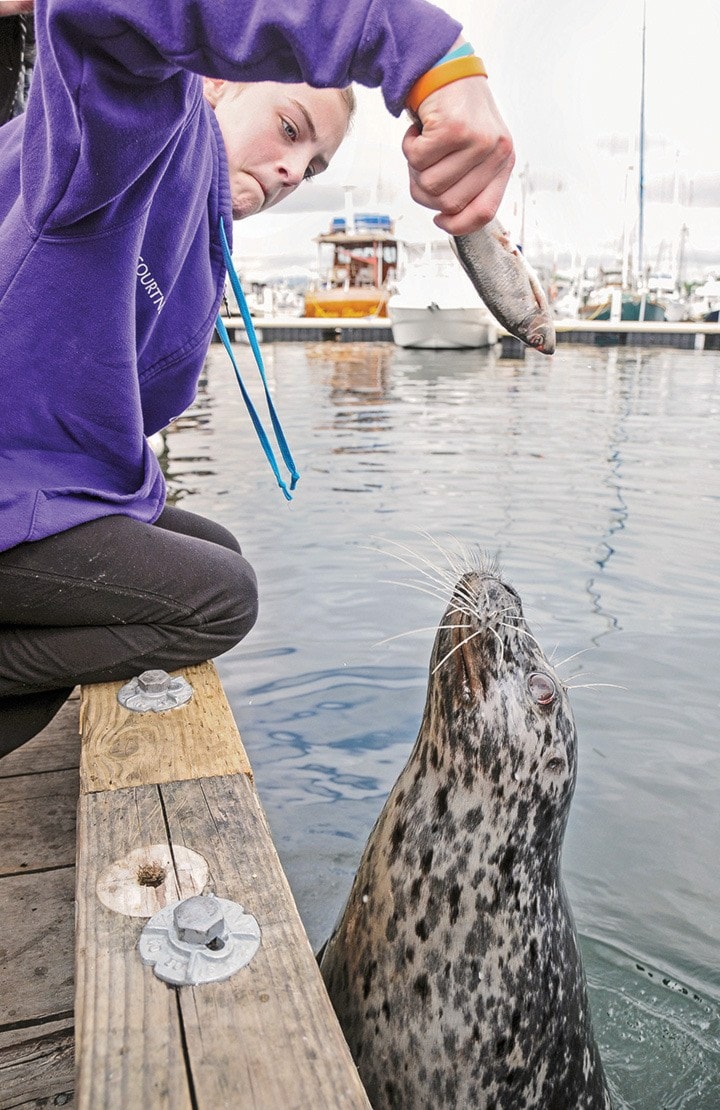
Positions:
{"x": 594, "y": 477}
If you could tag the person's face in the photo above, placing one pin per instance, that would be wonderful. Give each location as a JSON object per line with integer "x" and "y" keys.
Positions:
{"x": 276, "y": 136}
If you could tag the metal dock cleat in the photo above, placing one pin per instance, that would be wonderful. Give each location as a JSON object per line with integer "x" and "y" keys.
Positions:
{"x": 154, "y": 691}
{"x": 202, "y": 939}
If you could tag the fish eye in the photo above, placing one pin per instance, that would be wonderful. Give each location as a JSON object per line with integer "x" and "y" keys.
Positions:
{"x": 542, "y": 688}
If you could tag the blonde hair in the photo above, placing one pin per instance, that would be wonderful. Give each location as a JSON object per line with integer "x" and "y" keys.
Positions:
{"x": 348, "y": 95}
{"x": 213, "y": 87}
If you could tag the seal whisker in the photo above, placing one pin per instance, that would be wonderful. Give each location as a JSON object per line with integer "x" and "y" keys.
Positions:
{"x": 440, "y": 586}
{"x": 567, "y": 658}
{"x": 456, "y": 648}
{"x": 468, "y": 557}
{"x": 522, "y": 631}
{"x": 443, "y": 587}
{"x": 581, "y": 674}
{"x": 422, "y": 587}
{"x": 593, "y": 685}
{"x": 437, "y": 589}
{"x": 501, "y": 612}
{"x": 499, "y": 639}
{"x": 439, "y": 573}
{"x": 435, "y": 573}
{"x": 413, "y": 631}
{"x": 445, "y": 583}
{"x": 470, "y": 599}
{"x": 459, "y": 563}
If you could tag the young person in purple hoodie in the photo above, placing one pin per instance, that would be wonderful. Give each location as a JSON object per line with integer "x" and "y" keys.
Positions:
{"x": 116, "y": 186}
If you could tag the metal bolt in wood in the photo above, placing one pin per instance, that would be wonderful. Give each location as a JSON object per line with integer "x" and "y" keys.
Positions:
{"x": 202, "y": 939}
{"x": 154, "y": 691}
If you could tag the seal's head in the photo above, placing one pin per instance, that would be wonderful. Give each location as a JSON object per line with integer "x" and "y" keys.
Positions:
{"x": 498, "y": 717}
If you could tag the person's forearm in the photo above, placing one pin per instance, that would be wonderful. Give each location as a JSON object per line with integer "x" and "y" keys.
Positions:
{"x": 16, "y": 7}
{"x": 372, "y": 42}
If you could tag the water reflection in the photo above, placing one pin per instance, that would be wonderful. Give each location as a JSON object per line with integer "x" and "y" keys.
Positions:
{"x": 188, "y": 449}
{"x": 357, "y": 373}
{"x": 619, "y": 401}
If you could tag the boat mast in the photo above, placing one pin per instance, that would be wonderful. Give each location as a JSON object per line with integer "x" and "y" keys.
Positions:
{"x": 641, "y": 163}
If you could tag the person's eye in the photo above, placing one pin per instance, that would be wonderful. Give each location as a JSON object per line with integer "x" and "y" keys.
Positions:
{"x": 309, "y": 173}
{"x": 290, "y": 129}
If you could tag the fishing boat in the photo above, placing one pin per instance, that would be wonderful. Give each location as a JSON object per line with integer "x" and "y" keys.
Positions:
{"x": 358, "y": 260}
{"x": 434, "y": 305}
{"x": 613, "y": 299}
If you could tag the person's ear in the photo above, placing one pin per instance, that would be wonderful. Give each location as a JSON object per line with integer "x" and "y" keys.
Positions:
{"x": 212, "y": 88}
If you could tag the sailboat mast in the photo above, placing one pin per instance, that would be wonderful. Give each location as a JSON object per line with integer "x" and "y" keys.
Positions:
{"x": 641, "y": 162}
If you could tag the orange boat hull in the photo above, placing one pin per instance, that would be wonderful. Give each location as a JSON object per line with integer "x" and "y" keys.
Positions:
{"x": 346, "y": 303}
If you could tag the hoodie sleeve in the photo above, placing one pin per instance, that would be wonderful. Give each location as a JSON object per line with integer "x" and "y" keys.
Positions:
{"x": 385, "y": 43}
{"x": 117, "y": 79}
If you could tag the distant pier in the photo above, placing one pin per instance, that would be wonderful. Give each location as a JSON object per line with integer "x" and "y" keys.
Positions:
{"x": 683, "y": 335}
{"x": 313, "y": 329}
{"x": 686, "y": 335}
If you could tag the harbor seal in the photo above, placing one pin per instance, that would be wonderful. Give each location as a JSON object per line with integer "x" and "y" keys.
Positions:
{"x": 455, "y": 969}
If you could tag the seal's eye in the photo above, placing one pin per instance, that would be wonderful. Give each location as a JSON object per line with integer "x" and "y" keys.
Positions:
{"x": 542, "y": 688}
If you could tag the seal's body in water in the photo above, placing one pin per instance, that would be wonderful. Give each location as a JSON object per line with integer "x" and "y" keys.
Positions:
{"x": 455, "y": 969}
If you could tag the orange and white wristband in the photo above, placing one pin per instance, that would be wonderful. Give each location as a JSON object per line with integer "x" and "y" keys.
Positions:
{"x": 444, "y": 73}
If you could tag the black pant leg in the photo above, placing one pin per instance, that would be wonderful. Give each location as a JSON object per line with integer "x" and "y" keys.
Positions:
{"x": 25, "y": 716}
{"x": 111, "y": 598}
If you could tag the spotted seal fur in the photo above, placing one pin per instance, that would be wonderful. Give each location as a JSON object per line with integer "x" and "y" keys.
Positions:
{"x": 454, "y": 968}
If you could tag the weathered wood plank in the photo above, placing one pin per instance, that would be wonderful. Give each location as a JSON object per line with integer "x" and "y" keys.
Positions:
{"x": 37, "y": 916}
{"x": 56, "y": 748}
{"x": 39, "y": 792}
{"x": 36, "y": 1066}
{"x": 129, "y": 1048}
{"x": 122, "y": 749}
{"x": 268, "y": 1036}
{"x": 37, "y": 821}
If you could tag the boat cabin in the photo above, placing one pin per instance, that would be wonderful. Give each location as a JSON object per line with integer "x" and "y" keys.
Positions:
{"x": 358, "y": 261}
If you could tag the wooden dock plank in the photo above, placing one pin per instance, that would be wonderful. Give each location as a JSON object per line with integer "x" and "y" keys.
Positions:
{"x": 128, "y": 1038}
{"x": 36, "y": 925}
{"x": 37, "y": 916}
{"x": 122, "y": 749}
{"x": 36, "y": 1066}
{"x": 37, "y": 821}
{"x": 56, "y": 748}
{"x": 264, "y": 1038}
{"x": 276, "y": 1037}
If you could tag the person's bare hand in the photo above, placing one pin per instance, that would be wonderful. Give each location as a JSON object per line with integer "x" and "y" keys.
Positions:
{"x": 16, "y": 7}
{"x": 461, "y": 156}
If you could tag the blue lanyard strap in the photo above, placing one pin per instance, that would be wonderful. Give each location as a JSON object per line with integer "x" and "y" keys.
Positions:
{"x": 223, "y": 333}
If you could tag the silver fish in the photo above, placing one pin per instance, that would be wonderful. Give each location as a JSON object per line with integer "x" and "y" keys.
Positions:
{"x": 507, "y": 284}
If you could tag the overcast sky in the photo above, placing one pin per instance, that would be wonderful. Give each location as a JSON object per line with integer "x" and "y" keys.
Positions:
{"x": 566, "y": 75}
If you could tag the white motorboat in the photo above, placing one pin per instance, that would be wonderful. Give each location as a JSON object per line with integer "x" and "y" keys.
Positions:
{"x": 435, "y": 306}
{"x": 706, "y": 300}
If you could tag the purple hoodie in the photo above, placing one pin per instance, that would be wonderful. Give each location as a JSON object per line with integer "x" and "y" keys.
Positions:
{"x": 112, "y": 186}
